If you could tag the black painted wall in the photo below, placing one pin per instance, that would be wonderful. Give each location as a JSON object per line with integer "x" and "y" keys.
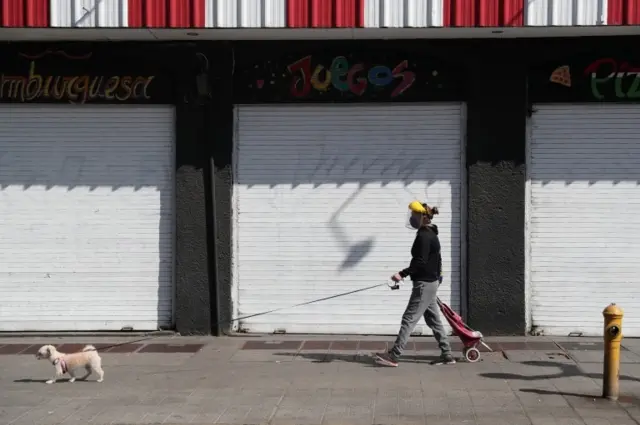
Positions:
{"x": 496, "y": 176}
{"x": 203, "y": 198}
{"x": 193, "y": 284}
{"x": 221, "y": 184}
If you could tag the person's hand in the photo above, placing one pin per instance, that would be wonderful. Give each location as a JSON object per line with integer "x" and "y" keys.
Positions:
{"x": 396, "y": 277}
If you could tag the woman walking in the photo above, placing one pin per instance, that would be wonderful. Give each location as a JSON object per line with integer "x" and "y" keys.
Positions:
{"x": 425, "y": 271}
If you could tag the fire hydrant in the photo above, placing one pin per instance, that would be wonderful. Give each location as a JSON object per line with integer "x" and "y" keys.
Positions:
{"x": 612, "y": 338}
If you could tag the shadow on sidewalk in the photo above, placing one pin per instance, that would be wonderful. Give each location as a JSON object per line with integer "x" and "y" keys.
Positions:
{"x": 364, "y": 359}
{"x": 540, "y": 391}
{"x": 331, "y": 357}
{"x": 565, "y": 371}
{"x": 41, "y": 381}
{"x": 596, "y": 399}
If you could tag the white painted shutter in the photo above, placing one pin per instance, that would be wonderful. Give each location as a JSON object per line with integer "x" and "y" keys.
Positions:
{"x": 584, "y": 226}
{"x": 321, "y": 195}
{"x": 86, "y": 200}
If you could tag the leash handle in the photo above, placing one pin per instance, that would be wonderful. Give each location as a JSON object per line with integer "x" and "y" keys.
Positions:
{"x": 395, "y": 285}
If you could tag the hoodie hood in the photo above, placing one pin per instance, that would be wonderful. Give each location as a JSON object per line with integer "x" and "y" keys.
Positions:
{"x": 431, "y": 227}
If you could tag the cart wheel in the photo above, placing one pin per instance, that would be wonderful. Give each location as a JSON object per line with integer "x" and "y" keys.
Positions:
{"x": 472, "y": 354}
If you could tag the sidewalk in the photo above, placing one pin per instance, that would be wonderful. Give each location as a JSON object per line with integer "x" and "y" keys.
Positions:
{"x": 297, "y": 380}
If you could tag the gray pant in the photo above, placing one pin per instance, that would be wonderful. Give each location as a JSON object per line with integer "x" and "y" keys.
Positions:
{"x": 422, "y": 303}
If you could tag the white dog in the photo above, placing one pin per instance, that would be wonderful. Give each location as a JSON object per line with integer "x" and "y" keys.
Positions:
{"x": 88, "y": 359}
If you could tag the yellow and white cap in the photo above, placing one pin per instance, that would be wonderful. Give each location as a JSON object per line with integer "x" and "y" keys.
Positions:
{"x": 418, "y": 207}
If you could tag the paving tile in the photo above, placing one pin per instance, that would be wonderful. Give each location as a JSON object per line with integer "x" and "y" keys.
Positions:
{"x": 344, "y": 346}
{"x": 124, "y": 348}
{"x": 585, "y": 346}
{"x": 551, "y": 420}
{"x": 421, "y": 346}
{"x": 609, "y": 421}
{"x": 585, "y": 356}
{"x": 203, "y": 418}
{"x": 250, "y": 412}
{"x": 542, "y": 346}
{"x": 272, "y": 345}
{"x": 502, "y": 419}
{"x": 171, "y": 348}
{"x": 262, "y": 356}
{"x": 59, "y": 413}
{"x": 18, "y": 399}
{"x": 552, "y": 412}
{"x": 74, "y": 348}
{"x": 154, "y": 418}
{"x": 357, "y": 410}
{"x": 447, "y": 420}
{"x": 35, "y": 416}
{"x": 87, "y": 414}
{"x": 400, "y": 419}
{"x": 372, "y": 346}
{"x": 524, "y": 356}
{"x": 181, "y": 418}
{"x": 346, "y": 419}
{"x": 356, "y": 357}
{"x": 32, "y": 350}
{"x": 461, "y": 418}
{"x": 508, "y": 346}
{"x": 316, "y": 345}
{"x": 108, "y": 416}
{"x": 9, "y": 414}
{"x": 306, "y": 416}
{"x": 456, "y": 345}
{"x": 15, "y": 348}
{"x": 532, "y": 398}
{"x": 314, "y": 356}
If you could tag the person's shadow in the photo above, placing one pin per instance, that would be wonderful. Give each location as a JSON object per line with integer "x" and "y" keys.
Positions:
{"x": 364, "y": 359}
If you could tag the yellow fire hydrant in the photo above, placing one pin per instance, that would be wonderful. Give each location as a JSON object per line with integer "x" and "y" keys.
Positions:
{"x": 612, "y": 338}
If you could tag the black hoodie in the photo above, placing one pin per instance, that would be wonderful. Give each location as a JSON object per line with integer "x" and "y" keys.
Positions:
{"x": 426, "y": 262}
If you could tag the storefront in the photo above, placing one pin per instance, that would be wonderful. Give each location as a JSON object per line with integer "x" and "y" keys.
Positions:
{"x": 183, "y": 186}
{"x": 582, "y": 227}
{"x": 87, "y": 187}
{"x": 328, "y": 151}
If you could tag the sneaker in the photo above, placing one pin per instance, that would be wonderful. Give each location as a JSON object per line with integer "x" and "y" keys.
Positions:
{"x": 385, "y": 359}
{"x": 444, "y": 359}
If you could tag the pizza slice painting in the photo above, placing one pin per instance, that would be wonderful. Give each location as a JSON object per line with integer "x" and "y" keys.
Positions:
{"x": 562, "y": 76}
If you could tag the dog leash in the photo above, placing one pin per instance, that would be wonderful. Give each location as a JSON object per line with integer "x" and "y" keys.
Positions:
{"x": 395, "y": 285}
{"x": 150, "y": 337}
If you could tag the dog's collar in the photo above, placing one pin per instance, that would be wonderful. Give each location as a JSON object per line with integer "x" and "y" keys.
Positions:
{"x": 63, "y": 364}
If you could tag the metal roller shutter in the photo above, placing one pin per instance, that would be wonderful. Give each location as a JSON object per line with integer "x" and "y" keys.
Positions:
{"x": 321, "y": 195}
{"x": 584, "y": 228}
{"x": 86, "y": 200}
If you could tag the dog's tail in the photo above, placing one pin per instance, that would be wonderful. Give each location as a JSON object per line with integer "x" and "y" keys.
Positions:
{"x": 89, "y": 348}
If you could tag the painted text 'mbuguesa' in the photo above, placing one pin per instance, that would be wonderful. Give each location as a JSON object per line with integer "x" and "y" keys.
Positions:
{"x": 75, "y": 89}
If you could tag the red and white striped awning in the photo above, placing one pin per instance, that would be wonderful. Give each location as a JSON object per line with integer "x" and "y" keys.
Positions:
{"x": 289, "y": 14}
